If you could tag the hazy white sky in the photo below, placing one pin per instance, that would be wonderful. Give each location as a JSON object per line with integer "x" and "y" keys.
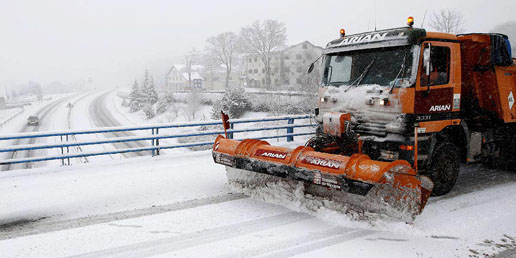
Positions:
{"x": 112, "y": 41}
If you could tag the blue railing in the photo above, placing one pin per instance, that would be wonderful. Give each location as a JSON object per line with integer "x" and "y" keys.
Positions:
{"x": 154, "y": 138}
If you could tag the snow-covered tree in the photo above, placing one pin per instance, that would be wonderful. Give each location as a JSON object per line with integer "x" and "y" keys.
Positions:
{"x": 148, "y": 109}
{"x": 193, "y": 104}
{"x": 164, "y": 103}
{"x": 135, "y": 98}
{"x": 447, "y": 20}
{"x": 234, "y": 102}
{"x": 261, "y": 39}
{"x": 148, "y": 89}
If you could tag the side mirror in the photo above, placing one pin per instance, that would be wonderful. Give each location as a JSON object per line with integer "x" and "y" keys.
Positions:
{"x": 426, "y": 59}
{"x": 311, "y": 68}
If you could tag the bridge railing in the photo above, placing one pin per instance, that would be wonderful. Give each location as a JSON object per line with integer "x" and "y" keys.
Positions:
{"x": 304, "y": 121}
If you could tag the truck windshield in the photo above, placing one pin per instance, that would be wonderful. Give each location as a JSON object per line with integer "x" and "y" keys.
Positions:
{"x": 383, "y": 66}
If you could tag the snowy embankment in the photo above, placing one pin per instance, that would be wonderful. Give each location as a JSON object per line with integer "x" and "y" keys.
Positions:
{"x": 179, "y": 205}
{"x": 7, "y": 115}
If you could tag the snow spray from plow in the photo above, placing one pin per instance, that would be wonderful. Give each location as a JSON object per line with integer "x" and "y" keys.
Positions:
{"x": 391, "y": 188}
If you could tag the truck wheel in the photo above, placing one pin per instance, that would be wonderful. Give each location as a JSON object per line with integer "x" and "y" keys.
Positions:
{"x": 444, "y": 167}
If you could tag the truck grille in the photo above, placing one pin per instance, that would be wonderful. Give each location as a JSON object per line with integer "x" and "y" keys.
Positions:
{"x": 371, "y": 128}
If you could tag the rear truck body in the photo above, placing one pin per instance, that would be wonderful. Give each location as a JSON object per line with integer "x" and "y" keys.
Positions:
{"x": 396, "y": 108}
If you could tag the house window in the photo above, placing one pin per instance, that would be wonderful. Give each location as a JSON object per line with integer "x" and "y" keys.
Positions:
{"x": 256, "y": 59}
{"x": 250, "y": 60}
{"x": 299, "y": 56}
{"x": 197, "y": 83}
{"x": 287, "y": 69}
{"x": 305, "y": 46}
{"x": 286, "y": 57}
{"x": 299, "y": 69}
{"x": 255, "y": 70}
{"x": 263, "y": 70}
{"x": 250, "y": 70}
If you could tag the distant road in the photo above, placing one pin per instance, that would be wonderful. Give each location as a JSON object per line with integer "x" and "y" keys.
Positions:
{"x": 101, "y": 117}
{"x": 44, "y": 115}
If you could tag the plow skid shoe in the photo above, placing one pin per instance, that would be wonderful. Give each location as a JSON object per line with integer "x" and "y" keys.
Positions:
{"x": 357, "y": 182}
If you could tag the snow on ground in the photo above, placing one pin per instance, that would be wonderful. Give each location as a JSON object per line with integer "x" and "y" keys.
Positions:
{"x": 179, "y": 205}
{"x": 125, "y": 117}
{"x": 6, "y": 114}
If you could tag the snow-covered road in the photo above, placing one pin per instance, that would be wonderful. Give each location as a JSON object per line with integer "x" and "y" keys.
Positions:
{"x": 102, "y": 117}
{"x": 179, "y": 205}
{"x": 52, "y": 116}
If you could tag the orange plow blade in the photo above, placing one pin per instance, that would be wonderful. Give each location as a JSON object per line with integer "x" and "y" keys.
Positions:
{"x": 392, "y": 186}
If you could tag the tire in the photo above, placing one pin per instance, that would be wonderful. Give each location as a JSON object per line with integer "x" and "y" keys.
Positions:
{"x": 507, "y": 159}
{"x": 444, "y": 167}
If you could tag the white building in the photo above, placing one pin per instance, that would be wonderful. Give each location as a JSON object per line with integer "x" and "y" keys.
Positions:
{"x": 178, "y": 79}
{"x": 288, "y": 66}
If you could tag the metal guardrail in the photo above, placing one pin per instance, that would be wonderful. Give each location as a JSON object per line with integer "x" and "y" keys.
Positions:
{"x": 154, "y": 138}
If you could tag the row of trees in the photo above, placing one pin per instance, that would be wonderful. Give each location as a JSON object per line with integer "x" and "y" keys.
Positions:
{"x": 260, "y": 38}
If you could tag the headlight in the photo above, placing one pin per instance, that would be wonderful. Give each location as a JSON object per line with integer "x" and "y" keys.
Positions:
{"x": 384, "y": 102}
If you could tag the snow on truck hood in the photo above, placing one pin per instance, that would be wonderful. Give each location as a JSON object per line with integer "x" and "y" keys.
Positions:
{"x": 362, "y": 102}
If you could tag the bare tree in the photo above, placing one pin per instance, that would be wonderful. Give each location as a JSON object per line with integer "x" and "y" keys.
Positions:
{"x": 447, "y": 20}
{"x": 224, "y": 46}
{"x": 509, "y": 29}
{"x": 190, "y": 58}
{"x": 210, "y": 64}
{"x": 261, "y": 39}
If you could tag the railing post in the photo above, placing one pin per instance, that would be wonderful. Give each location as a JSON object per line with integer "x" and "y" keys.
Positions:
{"x": 230, "y": 134}
{"x": 62, "y": 152}
{"x": 290, "y": 130}
{"x": 152, "y": 143}
{"x": 157, "y": 142}
{"x": 67, "y": 150}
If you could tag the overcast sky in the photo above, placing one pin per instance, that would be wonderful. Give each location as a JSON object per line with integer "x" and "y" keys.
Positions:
{"x": 112, "y": 41}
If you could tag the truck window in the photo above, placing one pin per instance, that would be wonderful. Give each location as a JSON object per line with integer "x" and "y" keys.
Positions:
{"x": 381, "y": 66}
{"x": 439, "y": 67}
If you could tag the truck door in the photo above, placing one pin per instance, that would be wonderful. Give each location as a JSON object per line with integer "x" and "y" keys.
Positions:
{"x": 437, "y": 96}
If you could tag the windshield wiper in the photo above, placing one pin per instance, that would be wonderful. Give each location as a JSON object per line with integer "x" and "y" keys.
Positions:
{"x": 402, "y": 70}
{"x": 362, "y": 75}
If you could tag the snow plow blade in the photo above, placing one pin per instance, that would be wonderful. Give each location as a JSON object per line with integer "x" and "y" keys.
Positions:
{"x": 392, "y": 186}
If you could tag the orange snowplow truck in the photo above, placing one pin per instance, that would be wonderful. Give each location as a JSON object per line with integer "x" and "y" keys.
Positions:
{"x": 395, "y": 108}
